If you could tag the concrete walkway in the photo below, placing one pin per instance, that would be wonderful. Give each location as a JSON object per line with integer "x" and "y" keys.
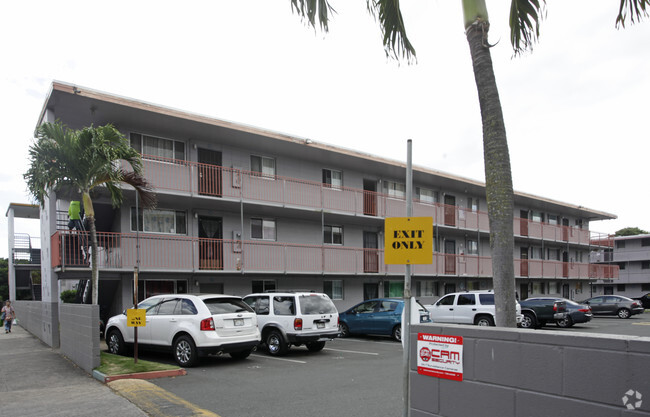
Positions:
{"x": 35, "y": 380}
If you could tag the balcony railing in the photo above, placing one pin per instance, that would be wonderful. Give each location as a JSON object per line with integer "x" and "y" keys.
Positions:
{"x": 217, "y": 181}
{"x": 180, "y": 253}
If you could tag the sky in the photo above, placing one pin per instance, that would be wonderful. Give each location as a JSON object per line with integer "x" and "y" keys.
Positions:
{"x": 575, "y": 107}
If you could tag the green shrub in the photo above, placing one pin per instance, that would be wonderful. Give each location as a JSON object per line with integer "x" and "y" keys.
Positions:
{"x": 68, "y": 296}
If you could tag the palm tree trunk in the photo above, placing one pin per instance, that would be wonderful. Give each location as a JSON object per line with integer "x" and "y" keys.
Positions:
{"x": 93, "y": 259}
{"x": 498, "y": 176}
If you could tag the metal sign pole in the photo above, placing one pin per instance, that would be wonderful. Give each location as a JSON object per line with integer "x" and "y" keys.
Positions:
{"x": 136, "y": 271}
{"x": 406, "y": 326}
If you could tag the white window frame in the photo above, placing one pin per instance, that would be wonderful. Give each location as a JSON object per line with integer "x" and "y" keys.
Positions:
{"x": 336, "y": 288}
{"x": 472, "y": 204}
{"x": 471, "y": 247}
{"x": 265, "y": 227}
{"x": 426, "y": 195}
{"x": 264, "y": 170}
{"x": 334, "y": 182}
{"x": 176, "y": 146}
{"x": 394, "y": 189}
{"x": 333, "y": 231}
{"x": 148, "y": 219}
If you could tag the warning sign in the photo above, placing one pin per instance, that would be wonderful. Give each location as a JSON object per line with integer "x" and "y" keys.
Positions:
{"x": 408, "y": 240}
{"x": 135, "y": 317}
{"x": 440, "y": 356}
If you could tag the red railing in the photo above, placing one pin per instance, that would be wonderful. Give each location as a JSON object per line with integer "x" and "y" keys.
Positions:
{"x": 223, "y": 182}
{"x": 181, "y": 253}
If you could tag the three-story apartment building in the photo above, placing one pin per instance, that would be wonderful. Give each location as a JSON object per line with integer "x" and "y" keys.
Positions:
{"x": 243, "y": 209}
{"x": 631, "y": 254}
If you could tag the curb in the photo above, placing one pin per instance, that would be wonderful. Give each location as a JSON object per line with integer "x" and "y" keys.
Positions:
{"x": 139, "y": 375}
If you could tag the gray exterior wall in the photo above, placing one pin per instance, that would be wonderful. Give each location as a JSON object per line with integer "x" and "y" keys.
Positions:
{"x": 519, "y": 372}
{"x": 80, "y": 334}
{"x": 40, "y": 318}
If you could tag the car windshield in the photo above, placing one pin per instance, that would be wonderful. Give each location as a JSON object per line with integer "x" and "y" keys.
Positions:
{"x": 316, "y": 304}
{"x": 226, "y": 305}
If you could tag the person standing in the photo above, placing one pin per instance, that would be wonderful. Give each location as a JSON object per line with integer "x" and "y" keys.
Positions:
{"x": 9, "y": 316}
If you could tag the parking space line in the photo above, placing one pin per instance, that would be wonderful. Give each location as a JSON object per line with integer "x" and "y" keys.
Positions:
{"x": 353, "y": 351}
{"x": 643, "y": 323}
{"x": 277, "y": 359}
{"x": 351, "y": 339}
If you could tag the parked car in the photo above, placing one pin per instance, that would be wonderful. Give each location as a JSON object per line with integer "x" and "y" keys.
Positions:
{"x": 469, "y": 307}
{"x": 379, "y": 316}
{"x": 294, "y": 318}
{"x": 617, "y": 305}
{"x": 539, "y": 311}
{"x": 190, "y": 326}
{"x": 644, "y": 300}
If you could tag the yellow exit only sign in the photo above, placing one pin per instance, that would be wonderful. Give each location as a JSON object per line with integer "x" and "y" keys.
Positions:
{"x": 135, "y": 317}
{"x": 408, "y": 240}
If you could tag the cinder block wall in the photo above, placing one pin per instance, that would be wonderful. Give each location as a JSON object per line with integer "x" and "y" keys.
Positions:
{"x": 535, "y": 373}
{"x": 80, "y": 334}
{"x": 40, "y": 319}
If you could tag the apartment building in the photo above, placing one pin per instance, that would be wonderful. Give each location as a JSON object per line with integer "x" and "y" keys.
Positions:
{"x": 631, "y": 254}
{"x": 242, "y": 209}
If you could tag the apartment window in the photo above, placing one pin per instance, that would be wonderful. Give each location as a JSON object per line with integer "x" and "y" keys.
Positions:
{"x": 427, "y": 289}
{"x": 620, "y": 244}
{"x": 538, "y": 216}
{"x": 393, "y": 289}
{"x": 334, "y": 289}
{"x": 427, "y": 196}
{"x": 536, "y": 253}
{"x": 160, "y": 221}
{"x": 151, "y": 146}
{"x": 579, "y": 223}
{"x": 394, "y": 189}
{"x": 333, "y": 235}
{"x": 645, "y": 265}
{"x": 645, "y": 242}
{"x": 620, "y": 287}
{"x": 333, "y": 179}
{"x": 263, "y": 285}
{"x": 553, "y": 288}
{"x": 472, "y": 247}
{"x": 472, "y": 204}
{"x": 552, "y": 219}
{"x": 553, "y": 254}
{"x": 263, "y": 229}
{"x": 263, "y": 165}
{"x": 621, "y": 265}
{"x": 645, "y": 287}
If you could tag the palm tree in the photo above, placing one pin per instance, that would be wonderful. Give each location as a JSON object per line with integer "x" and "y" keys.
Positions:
{"x": 81, "y": 161}
{"x": 525, "y": 17}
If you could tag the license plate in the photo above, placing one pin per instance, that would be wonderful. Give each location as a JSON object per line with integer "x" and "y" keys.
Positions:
{"x": 239, "y": 322}
{"x": 320, "y": 325}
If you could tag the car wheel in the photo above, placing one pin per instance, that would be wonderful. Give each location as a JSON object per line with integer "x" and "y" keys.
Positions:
{"x": 565, "y": 322}
{"x": 185, "y": 352}
{"x": 242, "y": 354}
{"x": 344, "y": 330}
{"x": 315, "y": 346}
{"x": 397, "y": 333}
{"x": 528, "y": 321}
{"x": 275, "y": 344}
{"x": 484, "y": 321}
{"x": 623, "y": 313}
{"x": 115, "y": 342}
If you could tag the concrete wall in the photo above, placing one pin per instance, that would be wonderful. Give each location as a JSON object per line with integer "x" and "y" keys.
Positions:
{"x": 40, "y": 318}
{"x": 532, "y": 373}
{"x": 80, "y": 334}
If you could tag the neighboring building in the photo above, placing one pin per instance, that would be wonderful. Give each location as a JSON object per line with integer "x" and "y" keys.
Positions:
{"x": 631, "y": 254}
{"x": 243, "y": 209}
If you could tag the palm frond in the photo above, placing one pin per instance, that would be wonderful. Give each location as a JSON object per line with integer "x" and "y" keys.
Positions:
{"x": 396, "y": 42}
{"x": 525, "y": 17}
{"x": 310, "y": 9}
{"x": 142, "y": 187}
{"x": 635, "y": 9}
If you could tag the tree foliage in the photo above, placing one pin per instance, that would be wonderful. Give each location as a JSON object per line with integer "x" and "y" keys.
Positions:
{"x": 630, "y": 231}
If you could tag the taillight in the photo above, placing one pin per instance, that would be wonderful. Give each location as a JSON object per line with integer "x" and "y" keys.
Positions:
{"x": 554, "y": 307}
{"x": 634, "y": 305}
{"x": 584, "y": 310}
{"x": 207, "y": 324}
{"x": 297, "y": 324}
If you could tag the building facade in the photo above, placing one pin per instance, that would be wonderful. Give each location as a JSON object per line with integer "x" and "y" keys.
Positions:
{"x": 242, "y": 209}
{"x": 631, "y": 254}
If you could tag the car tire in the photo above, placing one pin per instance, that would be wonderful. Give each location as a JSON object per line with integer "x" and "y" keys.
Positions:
{"x": 275, "y": 344}
{"x": 528, "y": 320}
{"x": 397, "y": 332}
{"x": 315, "y": 346}
{"x": 185, "y": 353}
{"x": 242, "y": 354}
{"x": 565, "y": 323}
{"x": 115, "y": 342}
{"x": 344, "y": 330}
{"x": 484, "y": 321}
{"x": 623, "y": 313}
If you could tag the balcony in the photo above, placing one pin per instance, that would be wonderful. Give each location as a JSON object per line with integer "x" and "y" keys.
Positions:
{"x": 194, "y": 178}
{"x": 185, "y": 254}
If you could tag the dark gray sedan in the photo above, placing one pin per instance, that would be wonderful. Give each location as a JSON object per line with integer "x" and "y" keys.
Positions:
{"x": 614, "y": 305}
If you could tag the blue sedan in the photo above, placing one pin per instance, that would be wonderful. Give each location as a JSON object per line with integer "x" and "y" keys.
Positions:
{"x": 380, "y": 316}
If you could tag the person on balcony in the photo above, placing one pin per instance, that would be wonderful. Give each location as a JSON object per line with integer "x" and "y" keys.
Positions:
{"x": 74, "y": 214}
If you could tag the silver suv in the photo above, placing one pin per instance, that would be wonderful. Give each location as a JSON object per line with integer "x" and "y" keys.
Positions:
{"x": 470, "y": 307}
{"x": 294, "y": 318}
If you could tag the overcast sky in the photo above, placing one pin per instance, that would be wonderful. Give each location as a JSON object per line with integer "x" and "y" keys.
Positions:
{"x": 575, "y": 108}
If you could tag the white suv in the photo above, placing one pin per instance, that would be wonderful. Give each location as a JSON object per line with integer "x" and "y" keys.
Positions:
{"x": 294, "y": 318}
{"x": 191, "y": 326}
{"x": 471, "y": 307}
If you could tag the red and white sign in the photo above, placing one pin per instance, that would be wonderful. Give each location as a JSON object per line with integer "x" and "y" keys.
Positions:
{"x": 440, "y": 355}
